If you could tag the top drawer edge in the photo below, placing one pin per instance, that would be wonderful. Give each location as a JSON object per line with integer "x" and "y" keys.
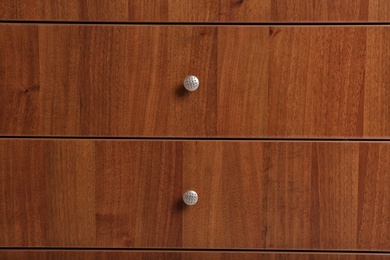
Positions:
{"x": 240, "y": 11}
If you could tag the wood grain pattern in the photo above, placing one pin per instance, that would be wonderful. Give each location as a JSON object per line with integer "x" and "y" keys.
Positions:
{"x": 259, "y": 195}
{"x": 378, "y": 56}
{"x": 329, "y": 10}
{"x": 198, "y": 11}
{"x": 82, "y": 193}
{"x": 19, "y": 79}
{"x": 70, "y": 198}
{"x": 138, "y": 194}
{"x": 318, "y": 76}
{"x": 242, "y": 81}
{"x": 287, "y": 195}
{"x": 108, "y": 80}
{"x": 329, "y": 81}
{"x": 136, "y": 10}
{"x": 162, "y": 255}
{"x": 256, "y": 81}
{"x": 23, "y": 196}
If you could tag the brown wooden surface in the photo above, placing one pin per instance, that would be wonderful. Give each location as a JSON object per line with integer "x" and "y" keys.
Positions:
{"x": 288, "y": 195}
{"x": 274, "y": 195}
{"x": 135, "y": 10}
{"x": 107, "y": 80}
{"x": 256, "y": 81}
{"x": 81, "y": 193}
{"x": 152, "y": 255}
{"x": 330, "y": 10}
{"x": 197, "y": 11}
{"x": 329, "y": 81}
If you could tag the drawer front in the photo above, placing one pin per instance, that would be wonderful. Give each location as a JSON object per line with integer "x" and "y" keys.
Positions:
{"x": 256, "y": 195}
{"x": 172, "y": 255}
{"x": 198, "y": 11}
{"x": 255, "y": 81}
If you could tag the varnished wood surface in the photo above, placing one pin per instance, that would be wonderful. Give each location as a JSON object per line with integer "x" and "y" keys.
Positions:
{"x": 162, "y": 255}
{"x": 330, "y": 10}
{"x": 272, "y": 195}
{"x": 81, "y": 193}
{"x": 329, "y": 81}
{"x": 288, "y": 195}
{"x": 255, "y": 81}
{"x": 107, "y": 80}
{"x": 198, "y": 11}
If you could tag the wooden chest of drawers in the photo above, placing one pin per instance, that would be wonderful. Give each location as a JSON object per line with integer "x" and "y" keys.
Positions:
{"x": 286, "y": 140}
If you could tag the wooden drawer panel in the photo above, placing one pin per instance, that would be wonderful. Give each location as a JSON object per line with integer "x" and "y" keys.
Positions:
{"x": 256, "y": 81}
{"x": 197, "y": 11}
{"x": 273, "y": 195}
{"x": 172, "y": 255}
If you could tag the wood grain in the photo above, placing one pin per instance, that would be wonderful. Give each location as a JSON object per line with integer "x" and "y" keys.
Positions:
{"x": 258, "y": 195}
{"x": 70, "y": 185}
{"x": 23, "y": 198}
{"x": 242, "y": 81}
{"x": 107, "y": 80}
{"x": 329, "y": 10}
{"x": 317, "y": 75}
{"x": 256, "y": 81}
{"x": 287, "y": 195}
{"x": 198, "y": 11}
{"x": 329, "y": 81}
{"x": 19, "y": 79}
{"x": 138, "y": 194}
{"x": 152, "y": 255}
{"x": 136, "y": 10}
{"x": 378, "y": 56}
{"x": 82, "y": 193}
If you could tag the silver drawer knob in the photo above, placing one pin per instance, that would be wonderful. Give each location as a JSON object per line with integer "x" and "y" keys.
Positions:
{"x": 190, "y": 197}
{"x": 191, "y": 83}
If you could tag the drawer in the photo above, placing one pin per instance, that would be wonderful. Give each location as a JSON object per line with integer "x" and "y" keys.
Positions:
{"x": 169, "y": 255}
{"x": 255, "y": 81}
{"x": 252, "y": 195}
{"x": 198, "y": 11}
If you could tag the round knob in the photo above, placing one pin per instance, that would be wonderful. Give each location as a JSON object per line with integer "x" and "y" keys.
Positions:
{"x": 190, "y": 197}
{"x": 191, "y": 83}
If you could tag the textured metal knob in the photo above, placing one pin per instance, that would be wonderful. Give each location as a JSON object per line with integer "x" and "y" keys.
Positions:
{"x": 191, "y": 83}
{"x": 190, "y": 197}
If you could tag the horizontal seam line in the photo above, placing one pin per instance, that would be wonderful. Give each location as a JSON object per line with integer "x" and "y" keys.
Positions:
{"x": 193, "y": 23}
{"x": 197, "y": 250}
{"x": 199, "y": 138}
